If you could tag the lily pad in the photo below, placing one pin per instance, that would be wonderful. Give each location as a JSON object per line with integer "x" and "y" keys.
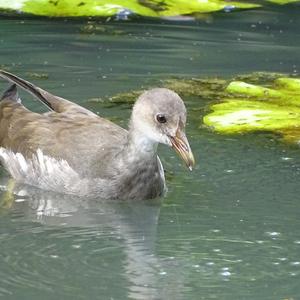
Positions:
{"x": 250, "y": 107}
{"x": 282, "y": 2}
{"x": 122, "y": 8}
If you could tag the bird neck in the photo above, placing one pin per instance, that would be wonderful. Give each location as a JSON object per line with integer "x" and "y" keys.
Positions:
{"x": 141, "y": 144}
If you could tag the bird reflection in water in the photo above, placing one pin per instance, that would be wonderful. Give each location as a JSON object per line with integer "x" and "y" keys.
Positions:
{"x": 133, "y": 223}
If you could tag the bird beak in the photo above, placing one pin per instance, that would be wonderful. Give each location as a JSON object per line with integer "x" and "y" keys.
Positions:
{"x": 181, "y": 145}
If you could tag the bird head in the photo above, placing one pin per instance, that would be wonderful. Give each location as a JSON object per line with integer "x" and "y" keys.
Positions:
{"x": 160, "y": 116}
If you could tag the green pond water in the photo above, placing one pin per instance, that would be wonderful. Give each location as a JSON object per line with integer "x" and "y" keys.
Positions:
{"x": 228, "y": 230}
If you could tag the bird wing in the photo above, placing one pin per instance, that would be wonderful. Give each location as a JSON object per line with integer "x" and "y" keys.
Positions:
{"x": 69, "y": 132}
{"x": 53, "y": 102}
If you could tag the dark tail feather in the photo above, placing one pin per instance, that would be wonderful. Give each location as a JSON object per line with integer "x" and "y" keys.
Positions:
{"x": 29, "y": 87}
{"x": 11, "y": 93}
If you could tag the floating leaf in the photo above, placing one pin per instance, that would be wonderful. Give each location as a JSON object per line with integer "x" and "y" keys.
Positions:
{"x": 234, "y": 116}
{"x": 252, "y": 107}
{"x": 290, "y": 84}
{"x": 281, "y": 2}
{"x": 121, "y": 8}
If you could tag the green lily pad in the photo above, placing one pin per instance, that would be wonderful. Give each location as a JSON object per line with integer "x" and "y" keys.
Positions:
{"x": 282, "y": 2}
{"x": 237, "y": 116}
{"x": 104, "y": 8}
{"x": 252, "y": 107}
{"x": 290, "y": 84}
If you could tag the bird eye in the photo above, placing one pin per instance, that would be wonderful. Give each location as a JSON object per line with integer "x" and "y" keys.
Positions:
{"x": 161, "y": 118}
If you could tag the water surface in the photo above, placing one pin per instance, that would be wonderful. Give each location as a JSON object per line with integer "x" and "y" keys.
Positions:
{"x": 227, "y": 230}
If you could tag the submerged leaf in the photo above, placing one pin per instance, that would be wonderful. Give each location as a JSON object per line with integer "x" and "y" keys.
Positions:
{"x": 210, "y": 89}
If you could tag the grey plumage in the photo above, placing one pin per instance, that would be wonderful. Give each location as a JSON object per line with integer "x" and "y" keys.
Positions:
{"x": 114, "y": 162}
